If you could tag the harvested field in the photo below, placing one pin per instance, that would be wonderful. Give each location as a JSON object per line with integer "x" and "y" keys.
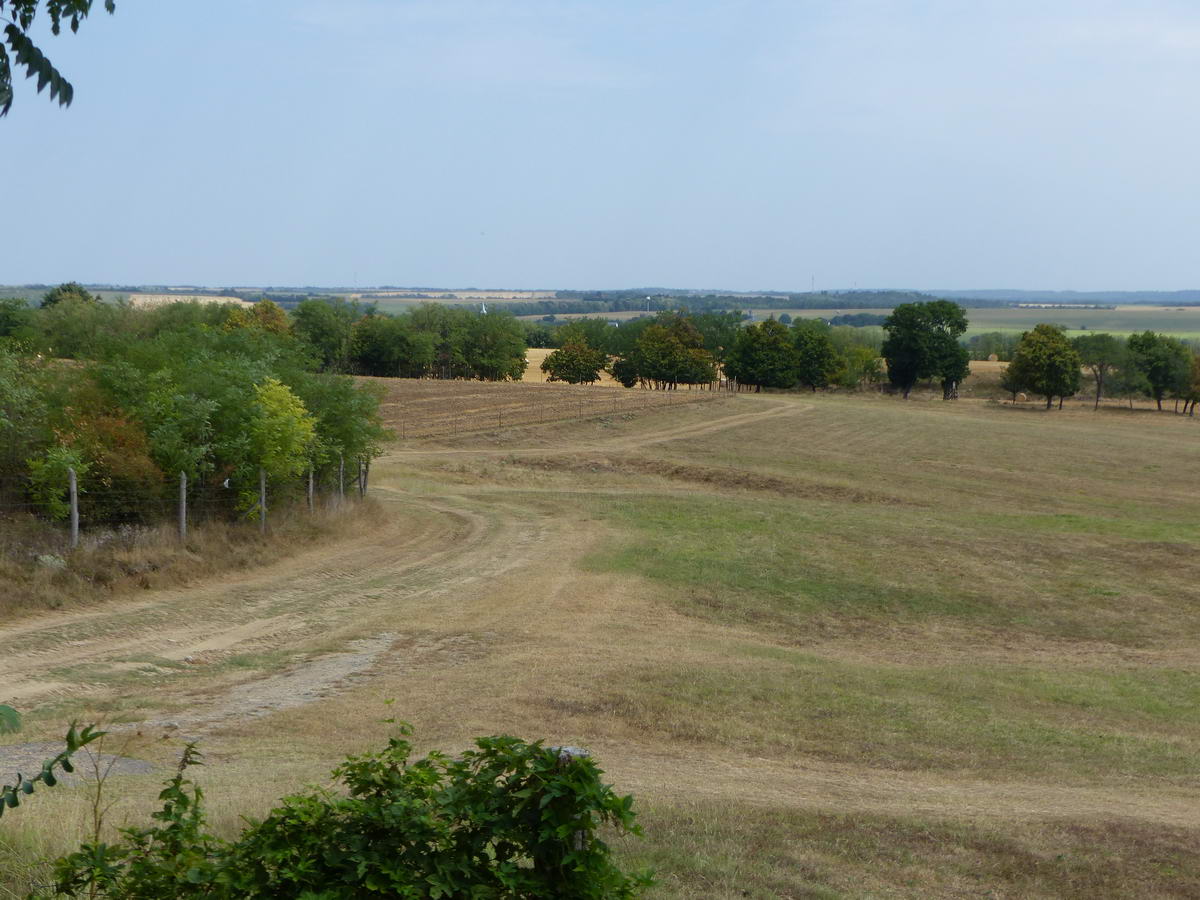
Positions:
{"x": 418, "y": 408}
{"x": 836, "y": 646}
{"x": 164, "y": 299}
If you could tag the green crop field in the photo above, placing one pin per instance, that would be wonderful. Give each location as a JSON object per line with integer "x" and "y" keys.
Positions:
{"x": 1181, "y": 322}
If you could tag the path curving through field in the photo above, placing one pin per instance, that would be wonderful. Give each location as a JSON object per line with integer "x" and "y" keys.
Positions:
{"x": 471, "y": 607}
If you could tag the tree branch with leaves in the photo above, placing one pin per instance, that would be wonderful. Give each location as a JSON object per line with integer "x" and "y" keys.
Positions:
{"x": 17, "y": 49}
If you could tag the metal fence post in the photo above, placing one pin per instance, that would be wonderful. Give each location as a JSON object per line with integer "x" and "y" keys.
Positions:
{"x": 262, "y": 500}
{"x": 73, "y": 489}
{"x": 310, "y": 489}
{"x": 183, "y": 506}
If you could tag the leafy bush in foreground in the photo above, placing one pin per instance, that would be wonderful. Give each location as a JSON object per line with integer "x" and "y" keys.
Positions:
{"x": 507, "y": 820}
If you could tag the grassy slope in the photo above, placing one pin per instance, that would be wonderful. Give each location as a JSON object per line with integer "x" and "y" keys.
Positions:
{"x": 1011, "y": 595}
{"x": 859, "y": 648}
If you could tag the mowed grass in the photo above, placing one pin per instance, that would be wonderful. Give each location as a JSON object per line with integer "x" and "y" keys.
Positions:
{"x": 995, "y": 721}
{"x": 1008, "y": 594}
{"x": 862, "y": 648}
{"x": 705, "y": 849}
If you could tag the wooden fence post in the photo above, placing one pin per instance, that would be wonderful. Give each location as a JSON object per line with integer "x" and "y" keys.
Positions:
{"x": 341, "y": 479}
{"x": 73, "y": 489}
{"x": 183, "y": 506}
{"x": 262, "y": 500}
{"x": 311, "y": 505}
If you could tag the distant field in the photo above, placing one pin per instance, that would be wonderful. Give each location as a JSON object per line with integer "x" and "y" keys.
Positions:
{"x": 163, "y": 299}
{"x": 1177, "y": 321}
{"x": 398, "y": 301}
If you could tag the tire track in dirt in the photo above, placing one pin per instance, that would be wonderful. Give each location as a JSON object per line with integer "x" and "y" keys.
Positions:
{"x": 290, "y": 603}
{"x": 68, "y": 655}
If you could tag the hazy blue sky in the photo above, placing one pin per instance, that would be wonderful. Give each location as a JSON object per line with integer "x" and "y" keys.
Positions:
{"x": 608, "y": 143}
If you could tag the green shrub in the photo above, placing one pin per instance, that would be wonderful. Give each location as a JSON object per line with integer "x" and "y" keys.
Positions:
{"x": 10, "y": 720}
{"x": 506, "y": 820}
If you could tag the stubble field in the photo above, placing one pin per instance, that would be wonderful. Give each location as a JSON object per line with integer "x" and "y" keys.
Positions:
{"x": 837, "y": 646}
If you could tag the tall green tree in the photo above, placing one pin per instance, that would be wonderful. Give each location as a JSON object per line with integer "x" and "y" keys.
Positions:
{"x": 494, "y": 348}
{"x": 16, "y": 319}
{"x": 1164, "y": 361}
{"x": 70, "y": 291}
{"x": 327, "y": 326}
{"x": 1045, "y": 363}
{"x": 1101, "y": 353}
{"x": 666, "y": 355}
{"x": 763, "y": 355}
{"x": 19, "y": 50}
{"x": 390, "y": 347}
{"x": 592, "y": 331}
{"x": 922, "y": 342}
{"x": 816, "y": 359}
{"x": 575, "y": 363}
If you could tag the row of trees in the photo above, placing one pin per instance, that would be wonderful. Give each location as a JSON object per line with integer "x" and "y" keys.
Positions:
{"x": 216, "y": 394}
{"x": 698, "y": 348}
{"x": 430, "y": 341}
{"x": 1048, "y": 363}
{"x": 332, "y": 335}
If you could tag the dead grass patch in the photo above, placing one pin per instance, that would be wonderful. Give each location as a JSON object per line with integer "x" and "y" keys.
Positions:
{"x": 119, "y": 562}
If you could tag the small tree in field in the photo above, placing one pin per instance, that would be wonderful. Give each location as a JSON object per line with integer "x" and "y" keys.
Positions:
{"x": 922, "y": 342}
{"x": 1164, "y": 361}
{"x": 1046, "y": 363}
{"x": 575, "y": 363}
{"x": 1101, "y": 353}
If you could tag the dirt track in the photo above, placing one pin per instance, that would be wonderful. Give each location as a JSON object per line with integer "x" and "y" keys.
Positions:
{"x": 486, "y": 597}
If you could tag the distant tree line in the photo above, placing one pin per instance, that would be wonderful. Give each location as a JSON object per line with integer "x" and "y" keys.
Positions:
{"x": 681, "y": 347}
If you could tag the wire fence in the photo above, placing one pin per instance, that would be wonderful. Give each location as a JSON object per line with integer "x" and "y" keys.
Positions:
{"x": 104, "y": 504}
{"x": 90, "y": 504}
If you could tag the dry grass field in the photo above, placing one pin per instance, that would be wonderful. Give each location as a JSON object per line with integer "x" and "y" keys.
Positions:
{"x": 164, "y": 299}
{"x": 837, "y": 646}
{"x": 420, "y": 408}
